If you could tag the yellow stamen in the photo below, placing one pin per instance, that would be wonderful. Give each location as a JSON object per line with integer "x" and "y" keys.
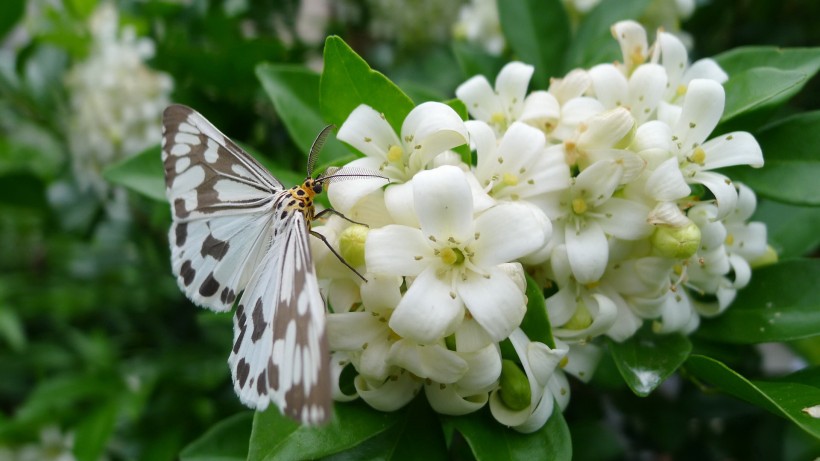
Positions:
{"x": 579, "y": 205}
{"x": 698, "y": 156}
{"x": 509, "y": 179}
{"x": 730, "y": 239}
{"x": 395, "y": 153}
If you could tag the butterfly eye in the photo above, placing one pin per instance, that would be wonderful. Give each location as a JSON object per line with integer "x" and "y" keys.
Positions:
{"x": 317, "y": 187}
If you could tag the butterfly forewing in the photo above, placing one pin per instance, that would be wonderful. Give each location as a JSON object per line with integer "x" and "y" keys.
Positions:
{"x": 232, "y": 237}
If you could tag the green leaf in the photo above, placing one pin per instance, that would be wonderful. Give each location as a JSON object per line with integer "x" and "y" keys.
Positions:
{"x": 792, "y": 161}
{"x": 275, "y": 436}
{"x": 804, "y": 60}
{"x": 780, "y": 304}
{"x": 10, "y": 12}
{"x": 791, "y": 230}
{"x": 538, "y": 32}
{"x": 784, "y": 399}
{"x": 294, "y": 91}
{"x": 142, "y": 173}
{"x": 91, "y": 436}
{"x": 348, "y": 81}
{"x": 473, "y": 61}
{"x": 227, "y": 440}
{"x": 536, "y": 324}
{"x": 646, "y": 359}
{"x": 759, "y": 88}
{"x": 593, "y": 42}
{"x": 490, "y": 441}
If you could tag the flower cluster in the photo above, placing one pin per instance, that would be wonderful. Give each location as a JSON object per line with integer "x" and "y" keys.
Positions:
{"x": 116, "y": 100}
{"x": 600, "y": 192}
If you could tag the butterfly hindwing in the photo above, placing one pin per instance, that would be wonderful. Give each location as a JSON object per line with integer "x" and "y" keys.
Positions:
{"x": 280, "y": 350}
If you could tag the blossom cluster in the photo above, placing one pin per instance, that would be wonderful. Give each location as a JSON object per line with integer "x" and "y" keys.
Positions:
{"x": 600, "y": 191}
{"x": 115, "y": 98}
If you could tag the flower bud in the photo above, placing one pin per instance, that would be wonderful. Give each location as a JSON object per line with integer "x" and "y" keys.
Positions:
{"x": 515, "y": 387}
{"x": 676, "y": 242}
{"x": 351, "y": 244}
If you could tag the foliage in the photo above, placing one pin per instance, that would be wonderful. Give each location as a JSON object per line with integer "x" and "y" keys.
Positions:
{"x": 96, "y": 339}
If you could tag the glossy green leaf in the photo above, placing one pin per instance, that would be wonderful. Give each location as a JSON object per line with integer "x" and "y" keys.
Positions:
{"x": 227, "y": 440}
{"x": 786, "y": 399}
{"x": 11, "y": 11}
{"x": 780, "y": 304}
{"x": 294, "y": 91}
{"x": 491, "y": 441}
{"x": 593, "y": 42}
{"x": 473, "y": 61}
{"x": 791, "y": 230}
{"x": 536, "y": 323}
{"x": 348, "y": 81}
{"x": 538, "y": 32}
{"x": 804, "y": 60}
{"x": 275, "y": 436}
{"x": 646, "y": 359}
{"x": 792, "y": 161}
{"x": 758, "y": 88}
{"x": 141, "y": 173}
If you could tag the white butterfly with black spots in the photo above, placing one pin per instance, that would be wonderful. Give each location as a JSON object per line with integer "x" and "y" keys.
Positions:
{"x": 237, "y": 232}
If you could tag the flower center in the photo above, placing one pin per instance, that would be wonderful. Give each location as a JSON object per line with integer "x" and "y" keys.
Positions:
{"x": 451, "y": 256}
{"x": 579, "y": 205}
{"x": 395, "y": 154}
{"x": 698, "y": 156}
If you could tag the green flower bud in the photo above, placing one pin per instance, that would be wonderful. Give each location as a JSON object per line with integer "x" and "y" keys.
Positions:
{"x": 676, "y": 242}
{"x": 351, "y": 244}
{"x": 515, "y": 387}
{"x": 580, "y": 319}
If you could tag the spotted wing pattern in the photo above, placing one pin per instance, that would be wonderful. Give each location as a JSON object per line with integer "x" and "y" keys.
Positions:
{"x": 234, "y": 235}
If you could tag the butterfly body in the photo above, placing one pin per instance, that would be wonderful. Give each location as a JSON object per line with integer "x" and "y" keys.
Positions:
{"x": 237, "y": 233}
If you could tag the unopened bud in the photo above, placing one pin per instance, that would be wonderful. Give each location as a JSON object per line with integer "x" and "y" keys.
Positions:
{"x": 351, "y": 244}
{"x": 676, "y": 242}
{"x": 515, "y": 387}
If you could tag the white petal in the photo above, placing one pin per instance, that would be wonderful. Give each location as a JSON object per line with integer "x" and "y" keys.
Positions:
{"x": 494, "y": 301}
{"x": 430, "y": 129}
{"x": 654, "y": 135}
{"x": 444, "y": 203}
{"x": 742, "y": 271}
{"x": 381, "y": 293}
{"x": 624, "y": 219}
{"x": 428, "y": 361}
{"x": 373, "y": 357}
{"x": 349, "y": 331}
{"x": 509, "y": 231}
{"x": 345, "y": 194}
{"x": 746, "y": 203}
{"x": 646, "y": 87}
{"x": 667, "y": 214}
{"x": 674, "y": 58}
{"x": 471, "y": 337}
{"x": 506, "y": 416}
{"x": 705, "y": 68}
{"x": 598, "y": 182}
{"x": 482, "y": 136}
{"x": 511, "y": 85}
{"x": 561, "y": 305}
{"x": 446, "y": 400}
{"x": 610, "y": 85}
{"x": 572, "y": 85}
{"x": 722, "y": 188}
{"x": 429, "y": 309}
{"x": 539, "y": 416}
{"x": 606, "y": 129}
{"x": 559, "y": 388}
{"x": 604, "y": 313}
{"x": 520, "y": 147}
{"x": 632, "y": 38}
{"x": 368, "y": 132}
{"x": 574, "y": 112}
{"x": 389, "y": 395}
{"x": 702, "y": 109}
{"x": 587, "y": 250}
{"x": 484, "y": 369}
{"x": 479, "y": 97}
{"x": 401, "y": 208}
{"x": 749, "y": 240}
{"x": 666, "y": 183}
{"x": 393, "y": 250}
{"x": 582, "y": 360}
{"x": 338, "y": 362}
{"x": 544, "y": 360}
{"x": 738, "y": 148}
{"x": 541, "y": 109}
{"x": 625, "y": 325}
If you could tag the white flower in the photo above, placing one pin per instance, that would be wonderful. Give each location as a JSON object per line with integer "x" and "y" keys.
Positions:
{"x": 701, "y": 112}
{"x": 640, "y": 92}
{"x": 501, "y": 106}
{"x": 454, "y": 258}
{"x": 428, "y": 130}
{"x": 116, "y": 100}
{"x": 518, "y": 166}
{"x": 478, "y": 23}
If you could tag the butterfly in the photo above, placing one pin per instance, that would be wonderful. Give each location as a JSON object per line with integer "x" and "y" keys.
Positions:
{"x": 238, "y": 233}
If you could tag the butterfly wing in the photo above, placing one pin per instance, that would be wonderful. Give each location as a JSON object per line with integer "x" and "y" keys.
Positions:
{"x": 221, "y": 199}
{"x": 280, "y": 352}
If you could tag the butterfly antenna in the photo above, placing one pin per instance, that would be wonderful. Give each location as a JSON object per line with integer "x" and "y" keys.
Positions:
{"x": 316, "y": 148}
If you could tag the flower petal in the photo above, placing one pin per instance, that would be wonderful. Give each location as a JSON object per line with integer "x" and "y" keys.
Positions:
{"x": 702, "y": 109}
{"x": 705, "y": 68}
{"x": 428, "y": 361}
{"x": 541, "y": 110}
{"x": 609, "y": 84}
{"x": 367, "y": 131}
{"x": 444, "y": 203}
{"x": 484, "y": 369}
{"x": 674, "y": 59}
{"x": 345, "y": 194}
{"x": 398, "y": 199}
{"x": 430, "y": 129}
{"x": 511, "y": 85}
{"x": 387, "y": 395}
{"x": 721, "y": 187}
{"x": 381, "y": 293}
{"x": 494, "y": 301}
{"x": 429, "y": 309}
{"x": 480, "y": 98}
{"x": 625, "y": 219}
{"x": 384, "y": 255}
{"x": 445, "y": 399}
{"x": 587, "y": 250}
{"x": 582, "y": 360}
{"x": 666, "y": 183}
{"x": 632, "y": 37}
{"x": 738, "y": 148}
{"x": 349, "y": 331}
{"x": 646, "y": 87}
{"x": 509, "y": 231}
